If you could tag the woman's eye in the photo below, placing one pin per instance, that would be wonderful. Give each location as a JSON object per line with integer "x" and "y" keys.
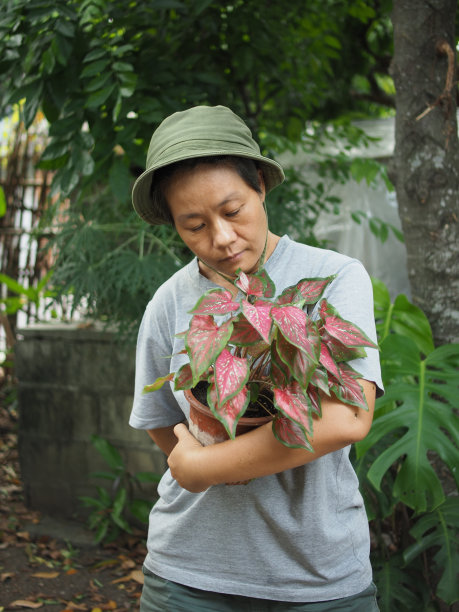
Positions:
{"x": 197, "y": 228}
{"x": 233, "y": 213}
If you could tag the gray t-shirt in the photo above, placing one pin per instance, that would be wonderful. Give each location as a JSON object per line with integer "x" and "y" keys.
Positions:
{"x": 301, "y": 535}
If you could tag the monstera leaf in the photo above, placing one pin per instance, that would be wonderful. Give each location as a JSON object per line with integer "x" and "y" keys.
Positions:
{"x": 402, "y": 317}
{"x": 439, "y": 529}
{"x": 398, "y": 589}
{"x": 419, "y": 402}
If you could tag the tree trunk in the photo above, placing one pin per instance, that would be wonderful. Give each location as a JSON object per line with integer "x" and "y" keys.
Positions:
{"x": 425, "y": 167}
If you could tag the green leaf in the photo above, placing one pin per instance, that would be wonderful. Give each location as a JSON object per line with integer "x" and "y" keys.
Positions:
{"x": 31, "y": 106}
{"x": 397, "y": 588}
{"x": 119, "y": 502}
{"x": 108, "y": 452}
{"x": 120, "y": 179}
{"x": 106, "y": 475}
{"x": 66, "y": 28}
{"x": 148, "y": 477}
{"x": 95, "y": 54}
{"x": 419, "y": 402}
{"x": 95, "y": 68}
{"x": 439, "y": 529}
{"x": 98, "y": 98}
{"x": 401, "y": 317}
{"x": 55, "y": 150}
{"x": 2, "y": 202}
{"x": 16, "y": 287}
{"x": 141, "y": 508}
{"x": 101, "y": 532}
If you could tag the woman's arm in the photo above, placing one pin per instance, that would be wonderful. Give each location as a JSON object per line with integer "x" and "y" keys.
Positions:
{"x": 164, "y": 437}
{"x": 258, "y": 453}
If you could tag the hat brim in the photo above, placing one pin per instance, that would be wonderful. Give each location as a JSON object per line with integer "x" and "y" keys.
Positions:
{"x": 272, "y": 173}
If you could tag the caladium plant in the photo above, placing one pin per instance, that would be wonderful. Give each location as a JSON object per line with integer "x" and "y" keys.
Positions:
{"x": 255, "y": 347}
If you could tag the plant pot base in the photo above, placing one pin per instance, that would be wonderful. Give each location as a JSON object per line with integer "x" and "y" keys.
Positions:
{"x": 208, "y": 430}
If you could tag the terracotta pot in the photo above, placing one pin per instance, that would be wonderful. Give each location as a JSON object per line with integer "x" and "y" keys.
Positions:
{"x": 208, "y": 430}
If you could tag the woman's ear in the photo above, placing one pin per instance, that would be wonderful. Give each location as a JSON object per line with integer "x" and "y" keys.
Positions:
{"x": 261, "y": 182}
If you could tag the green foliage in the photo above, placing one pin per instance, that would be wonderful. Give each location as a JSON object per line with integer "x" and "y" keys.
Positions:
{"x": 19, "y": 296}
{"x": 412, "y": 508}
{"x": 105, "y": 73}
{"x": 112, "y": 508}
{"x": 438, "y": 530}
{"x": 2, "y": 202}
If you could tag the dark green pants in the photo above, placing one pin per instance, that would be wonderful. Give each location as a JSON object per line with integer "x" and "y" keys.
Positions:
{"x": 160, "y": 595}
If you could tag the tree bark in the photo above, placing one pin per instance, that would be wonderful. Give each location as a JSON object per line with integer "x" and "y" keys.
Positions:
{"x": 425, "y": 167}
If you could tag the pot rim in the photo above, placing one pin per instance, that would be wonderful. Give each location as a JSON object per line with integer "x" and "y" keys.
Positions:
{"x": 200, "y": 407}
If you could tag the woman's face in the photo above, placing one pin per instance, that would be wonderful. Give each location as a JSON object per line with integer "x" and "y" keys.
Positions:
{"x": 220, "y": 218}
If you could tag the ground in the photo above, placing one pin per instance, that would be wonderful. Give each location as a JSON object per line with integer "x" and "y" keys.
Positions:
{"x": 54, "y": 566}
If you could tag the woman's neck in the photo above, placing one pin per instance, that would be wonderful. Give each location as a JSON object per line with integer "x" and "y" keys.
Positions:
{"x": 221, "y": 281}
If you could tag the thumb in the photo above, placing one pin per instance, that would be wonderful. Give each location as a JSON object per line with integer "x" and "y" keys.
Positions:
{"x": 181, "y": 431}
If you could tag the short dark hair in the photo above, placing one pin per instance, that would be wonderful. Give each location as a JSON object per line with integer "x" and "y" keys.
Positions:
{"x": 246, "y": 168}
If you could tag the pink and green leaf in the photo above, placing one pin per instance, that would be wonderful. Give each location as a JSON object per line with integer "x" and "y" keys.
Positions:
{"x": 244, "y": 334}
{"x": 300, "y": 364}
{"x": 294, "y": 404}
{"x": 230, "y": 375}
{"x": 308, "y": 290}
{"x": 231, "y": 411}
{"x": 269, "y": 287}
{"x": 320, "y": 379}
{"x": 348, "y": 389}
{"x": 298, "y": 329}
{"x": 344, "y": 331}
{"x": 258, "y": 315}
{"x": 279, "y": 374}
{"x": 338, "y": 350}
{"x": 184, "y": 378}
{"x": 159, "y": 382}
{"x": 205, "y": 340}
{"x": 290, "y": 434}
{"x": 215, "y": 302}
{"x": 326, "y": 359}
{"x": 250, "y": 284}
{"x": 314, "y": 397}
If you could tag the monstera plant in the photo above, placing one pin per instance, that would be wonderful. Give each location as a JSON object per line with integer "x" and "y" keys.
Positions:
{"x": 258, "y": 351}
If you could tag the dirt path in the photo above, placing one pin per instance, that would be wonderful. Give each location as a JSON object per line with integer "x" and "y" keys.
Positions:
{"x": 51, "y": 566}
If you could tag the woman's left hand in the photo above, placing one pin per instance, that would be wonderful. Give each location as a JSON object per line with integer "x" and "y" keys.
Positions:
{"x": 184, "y": 461}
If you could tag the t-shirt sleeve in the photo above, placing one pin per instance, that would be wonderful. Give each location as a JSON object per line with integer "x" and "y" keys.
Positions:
{"x": 351, "y": 293}
{"x": 154, "y": 348}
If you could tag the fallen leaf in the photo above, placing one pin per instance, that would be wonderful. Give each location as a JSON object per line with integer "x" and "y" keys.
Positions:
{"x": 6, "y": 576}
{"x": 46, "y": 575}
{"x": 71, "y": 571}
{"x": 128, "y": 564}
{"x": 74, "y": 606}
{"x": 24, "y": 603}
{"x": 136, "y": 575}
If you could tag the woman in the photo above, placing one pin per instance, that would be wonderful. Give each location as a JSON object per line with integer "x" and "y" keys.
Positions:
{"x": 296, "y": 537}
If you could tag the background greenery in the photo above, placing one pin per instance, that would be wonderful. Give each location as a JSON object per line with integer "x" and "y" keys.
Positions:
{"x": 106, "y": 72}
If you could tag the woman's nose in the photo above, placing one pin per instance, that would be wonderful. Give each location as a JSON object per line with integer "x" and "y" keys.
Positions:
{"x": 223, "y": 233}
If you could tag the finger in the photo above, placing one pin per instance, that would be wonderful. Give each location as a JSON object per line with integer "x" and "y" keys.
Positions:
{"x": 181, "y": 431}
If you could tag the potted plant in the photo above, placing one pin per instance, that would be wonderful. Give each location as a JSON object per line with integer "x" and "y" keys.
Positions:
{"x": 256, "y": 352}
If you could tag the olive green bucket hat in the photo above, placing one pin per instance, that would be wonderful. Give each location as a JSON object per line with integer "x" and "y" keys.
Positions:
{"x": 200, "y": 131}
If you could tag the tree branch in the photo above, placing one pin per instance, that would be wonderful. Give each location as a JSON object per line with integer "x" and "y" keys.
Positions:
{"x": 446, "y": 95}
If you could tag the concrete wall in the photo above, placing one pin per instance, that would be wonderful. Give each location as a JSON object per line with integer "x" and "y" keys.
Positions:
{"x": 74, "y": 382}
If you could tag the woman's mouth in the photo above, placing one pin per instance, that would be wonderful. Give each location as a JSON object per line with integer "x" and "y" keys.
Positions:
{"x": 233, "y": 258}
